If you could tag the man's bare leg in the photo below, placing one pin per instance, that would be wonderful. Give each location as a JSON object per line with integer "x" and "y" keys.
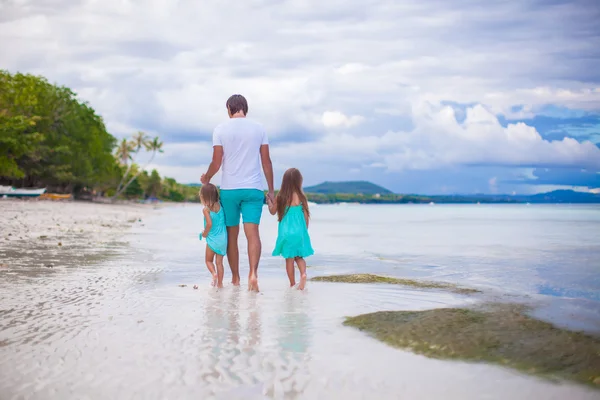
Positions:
{"x": 254, "y": 249}
{"x": 233, "y": 253}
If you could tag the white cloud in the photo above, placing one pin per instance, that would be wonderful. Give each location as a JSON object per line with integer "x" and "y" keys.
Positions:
{"x": 438, "y": 140}
{"x": 333, "y": 119}
{"x": 174, "y": 64}
{"x": 324, "y": 78}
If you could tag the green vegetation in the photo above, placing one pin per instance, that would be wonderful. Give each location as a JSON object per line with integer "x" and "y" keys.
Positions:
{"x": 48, "y": 138}
{"x": 126, "y": 152}
{"x": 369, "y": 193}
{"x": 370, "y": 278}
{"x": 404, "y": 199}
{"x": 502, "y": 334}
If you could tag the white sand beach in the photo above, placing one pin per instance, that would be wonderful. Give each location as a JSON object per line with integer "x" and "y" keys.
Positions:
{"x": 121, "y": 326}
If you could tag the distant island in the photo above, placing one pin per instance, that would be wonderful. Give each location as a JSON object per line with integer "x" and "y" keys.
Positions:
{"x": 351, "y": 187}
{"x": 370, "y": 193}
{"x": 364, "y": 192}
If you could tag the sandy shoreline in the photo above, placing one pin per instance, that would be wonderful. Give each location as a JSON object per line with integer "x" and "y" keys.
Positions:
{"x": 64, "y": 233}
{"x": 98, "y": 327}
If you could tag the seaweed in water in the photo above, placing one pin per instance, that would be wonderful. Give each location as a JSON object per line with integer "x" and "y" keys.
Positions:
{"x": 371, "y": 278}
{"x": 501, "y": 334}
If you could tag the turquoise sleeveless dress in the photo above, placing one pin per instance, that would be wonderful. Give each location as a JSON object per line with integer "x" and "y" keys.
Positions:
{"x": 217, "y": 237}
{"x": 292, "y": 237}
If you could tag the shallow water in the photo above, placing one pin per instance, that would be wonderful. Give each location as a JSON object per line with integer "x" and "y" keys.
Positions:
{"x": 123, "y": 328}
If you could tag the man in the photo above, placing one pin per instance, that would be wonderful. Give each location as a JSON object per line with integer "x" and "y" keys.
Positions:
{"x": 242, "y": 148}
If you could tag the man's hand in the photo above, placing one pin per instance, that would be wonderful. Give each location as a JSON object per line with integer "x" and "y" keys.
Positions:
{"x": 204, "y": 179}
{"x": 271, "y": 196}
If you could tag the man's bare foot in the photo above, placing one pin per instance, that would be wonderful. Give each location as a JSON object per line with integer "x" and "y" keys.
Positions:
{"x": 302, "y": 283}
{"x": 292, "y": 284}
{"x": 220, "y": 286}
{"x": 253, "y": 284}
{"x": 235, "y": 281}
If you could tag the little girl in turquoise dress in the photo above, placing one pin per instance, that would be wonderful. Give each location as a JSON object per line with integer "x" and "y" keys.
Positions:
{"x": 293, "y": 242}
{"x": 214, "y": 232}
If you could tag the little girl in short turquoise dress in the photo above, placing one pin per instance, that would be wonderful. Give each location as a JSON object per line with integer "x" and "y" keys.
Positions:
{"x": 293, "y": 241}
{"x": 214, "y": 232}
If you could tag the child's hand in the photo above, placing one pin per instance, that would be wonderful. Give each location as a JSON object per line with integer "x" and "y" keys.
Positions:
{"x": 272, "y": 206}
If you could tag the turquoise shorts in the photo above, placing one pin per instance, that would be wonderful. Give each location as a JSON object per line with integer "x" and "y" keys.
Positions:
{"x": 247, "y": 202}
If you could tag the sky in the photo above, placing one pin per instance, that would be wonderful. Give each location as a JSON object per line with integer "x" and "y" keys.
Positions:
{"x": 432, "y": 96}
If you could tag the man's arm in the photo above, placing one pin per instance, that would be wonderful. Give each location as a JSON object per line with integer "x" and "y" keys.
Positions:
{"x": 215, "y": 165}
{"x": 267, "y": 165}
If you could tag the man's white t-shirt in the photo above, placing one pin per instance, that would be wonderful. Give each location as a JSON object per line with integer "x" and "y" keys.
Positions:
{"x": 241, "y": 139}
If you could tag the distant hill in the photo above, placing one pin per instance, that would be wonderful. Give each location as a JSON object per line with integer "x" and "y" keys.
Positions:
{"x": 556, "y": 197}
{"x": 363, "y": 192}
{"x": 351, "y": 187}
{"x": 564, "y": 196}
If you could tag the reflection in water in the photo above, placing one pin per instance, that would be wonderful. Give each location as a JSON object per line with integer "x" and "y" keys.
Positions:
{"x": 293, "y": 323}
{"x": 293, "y": 337}
{"x": 253, "y": 326}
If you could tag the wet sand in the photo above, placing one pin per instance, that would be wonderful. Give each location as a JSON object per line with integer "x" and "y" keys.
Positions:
{"x": 48, "y": 234}
{"x": 121, "y": 327}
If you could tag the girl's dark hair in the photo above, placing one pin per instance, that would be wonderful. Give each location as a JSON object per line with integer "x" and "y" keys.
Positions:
{"x": 291, "y": 183}
{"x": 209, "y": 194}
{"x": 236, "y": 103}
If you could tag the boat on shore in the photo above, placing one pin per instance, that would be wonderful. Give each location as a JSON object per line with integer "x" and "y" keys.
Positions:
{"x": 55, "y": 196}
{"x": 9, "y": 191}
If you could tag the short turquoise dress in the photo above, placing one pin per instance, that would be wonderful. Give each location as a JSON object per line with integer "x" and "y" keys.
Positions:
{"x": 292, "y": 238}
{"x": 217, "y": 237}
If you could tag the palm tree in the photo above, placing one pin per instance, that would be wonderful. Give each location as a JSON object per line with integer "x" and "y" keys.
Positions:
{"x": 155, "y": 146}
{"x": 140, "y": 139}
{"x": 124, "y": 152}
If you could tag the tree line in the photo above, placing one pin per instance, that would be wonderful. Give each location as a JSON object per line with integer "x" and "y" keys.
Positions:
{"x": 49, "y": 138}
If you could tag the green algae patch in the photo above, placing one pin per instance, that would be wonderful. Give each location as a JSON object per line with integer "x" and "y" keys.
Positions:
{"x": 502, "y": 334}
{"x": 370, "y": 278}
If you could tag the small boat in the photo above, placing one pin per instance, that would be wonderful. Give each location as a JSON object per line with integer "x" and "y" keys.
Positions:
{"x": 55, "y": 196}
{"x": 9, "y": 191}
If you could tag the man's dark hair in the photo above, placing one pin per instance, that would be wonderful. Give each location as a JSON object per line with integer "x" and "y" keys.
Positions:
{"x": 236, "y": 103}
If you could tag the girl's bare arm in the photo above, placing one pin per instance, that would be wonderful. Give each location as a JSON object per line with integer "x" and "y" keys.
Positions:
{"x": 272, "y": 205}
{"x": 306, "y": 217}
{"x": 206, "y": 213}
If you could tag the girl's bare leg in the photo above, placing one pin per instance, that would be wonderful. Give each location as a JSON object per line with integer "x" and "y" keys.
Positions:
{"x": 220, "y": 270}
{"x": 289, "y": 267}
{"x": 210, "y": 256}
{"x": 302, "y": 266}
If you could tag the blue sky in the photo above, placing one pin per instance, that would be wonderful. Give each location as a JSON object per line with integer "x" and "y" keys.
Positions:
{"x": 461, "y": 96}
